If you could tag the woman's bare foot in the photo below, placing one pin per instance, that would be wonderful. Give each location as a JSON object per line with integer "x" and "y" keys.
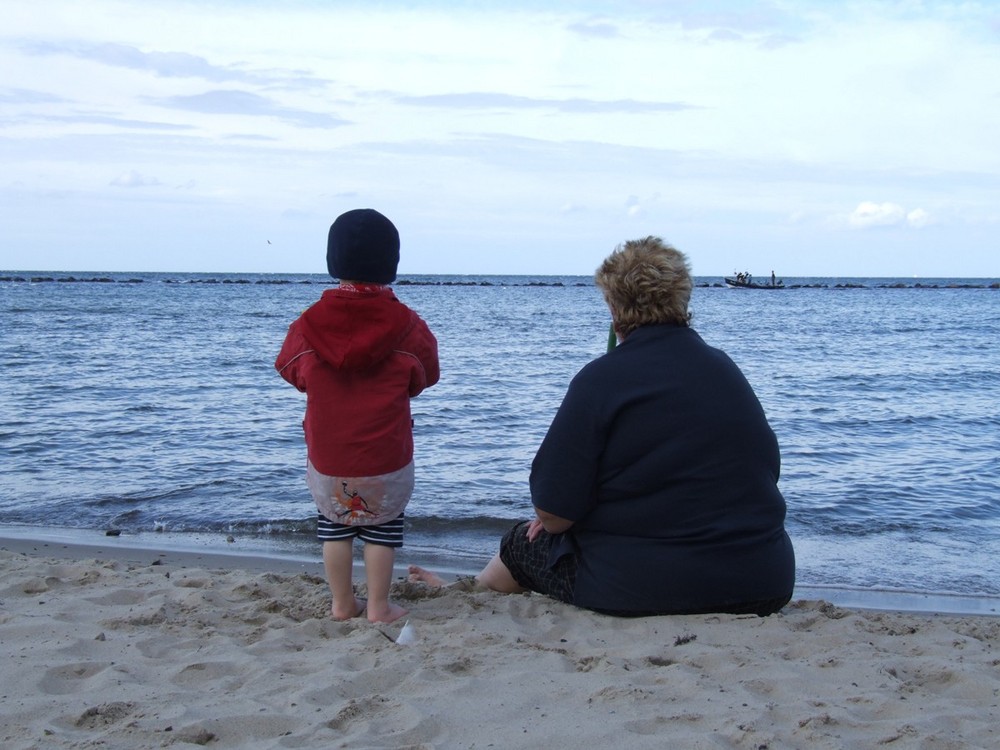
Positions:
{"x": 346, "y": 613}
{"x": 422, "y": 575}
{"x": 390, "y": 613}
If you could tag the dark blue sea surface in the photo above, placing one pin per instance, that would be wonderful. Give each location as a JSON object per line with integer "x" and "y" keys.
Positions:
{"x": 149, "y": 403}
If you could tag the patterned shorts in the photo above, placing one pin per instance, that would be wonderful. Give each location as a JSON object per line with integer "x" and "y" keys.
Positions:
{"x": 528, "y": 562}
{"x": 388, "y": 534}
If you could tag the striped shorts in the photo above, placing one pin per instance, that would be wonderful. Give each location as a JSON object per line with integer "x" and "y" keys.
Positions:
{"x": 388, "y": 534}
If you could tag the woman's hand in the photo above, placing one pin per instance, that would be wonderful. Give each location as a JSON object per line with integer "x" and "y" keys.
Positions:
{"x": 551, "y": 523}
{"x": 535, "y": 528}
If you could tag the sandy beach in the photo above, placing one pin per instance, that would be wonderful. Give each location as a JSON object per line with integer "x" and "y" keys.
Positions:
{"x": 125, "y": 648}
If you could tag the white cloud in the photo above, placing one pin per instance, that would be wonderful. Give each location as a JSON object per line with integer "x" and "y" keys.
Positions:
{"x": 918, "y": 218}
{"x": 132, "y": 179}
{"x": 869, "y": 214}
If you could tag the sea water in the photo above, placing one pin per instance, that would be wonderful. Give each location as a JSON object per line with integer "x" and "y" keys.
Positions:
{"x": 149, "y": 404}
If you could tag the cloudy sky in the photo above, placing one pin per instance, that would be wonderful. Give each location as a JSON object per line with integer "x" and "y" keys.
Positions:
{"x": 810, "y": 137}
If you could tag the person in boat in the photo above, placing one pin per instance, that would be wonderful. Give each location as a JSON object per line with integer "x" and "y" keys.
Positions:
{"x": 655, "y": 488}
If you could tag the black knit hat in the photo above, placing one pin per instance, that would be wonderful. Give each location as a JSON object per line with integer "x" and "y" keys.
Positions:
{"x": 363, "y": 246}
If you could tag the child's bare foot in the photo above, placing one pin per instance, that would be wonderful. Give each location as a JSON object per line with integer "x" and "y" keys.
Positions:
{"x": 355, "y": 608}
{"x": 390, "y": 613}
{"x": 422, "y": 575}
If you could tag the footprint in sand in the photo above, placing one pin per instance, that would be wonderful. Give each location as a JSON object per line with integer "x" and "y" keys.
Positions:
{"x": 69, "y": 678}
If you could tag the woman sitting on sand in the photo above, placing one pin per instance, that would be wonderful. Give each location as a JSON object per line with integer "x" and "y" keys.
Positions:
{"x": 655, "y": 488}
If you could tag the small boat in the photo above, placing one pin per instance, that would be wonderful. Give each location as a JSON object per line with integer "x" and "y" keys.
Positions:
{"x": 745, "y": 281}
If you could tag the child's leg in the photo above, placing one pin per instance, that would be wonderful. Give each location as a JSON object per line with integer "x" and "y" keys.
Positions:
{"x": 379, "y": 560}
{"x": 338, "y": 560}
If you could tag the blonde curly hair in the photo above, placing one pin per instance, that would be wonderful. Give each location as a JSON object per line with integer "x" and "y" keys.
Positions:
{"x": 645, "y": 282}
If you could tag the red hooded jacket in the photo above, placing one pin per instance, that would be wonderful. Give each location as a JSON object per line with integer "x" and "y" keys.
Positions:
{"x": 359, "y": 356}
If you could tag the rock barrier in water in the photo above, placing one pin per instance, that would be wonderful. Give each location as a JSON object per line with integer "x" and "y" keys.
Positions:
{"x": 470, "y": 282}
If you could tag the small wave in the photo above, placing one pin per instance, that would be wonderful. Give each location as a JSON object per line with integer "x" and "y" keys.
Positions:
{"x": 142, "y": 408}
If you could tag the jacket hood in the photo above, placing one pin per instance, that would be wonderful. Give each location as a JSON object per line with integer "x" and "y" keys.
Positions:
{"x": 353, "y": 330}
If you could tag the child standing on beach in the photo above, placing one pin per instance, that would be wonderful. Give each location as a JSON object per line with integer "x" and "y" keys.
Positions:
{"x": 360, "y": 355}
